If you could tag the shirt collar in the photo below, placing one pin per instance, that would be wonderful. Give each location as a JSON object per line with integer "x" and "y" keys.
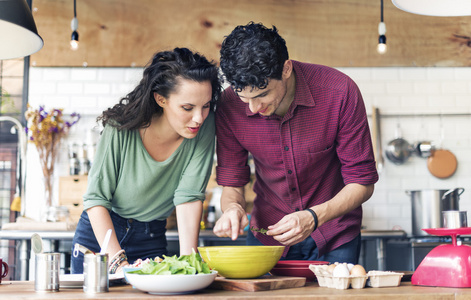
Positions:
{"x": 303, "y": 94}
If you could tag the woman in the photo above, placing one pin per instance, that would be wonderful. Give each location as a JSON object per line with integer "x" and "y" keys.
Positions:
{"x": 155, "y": 155}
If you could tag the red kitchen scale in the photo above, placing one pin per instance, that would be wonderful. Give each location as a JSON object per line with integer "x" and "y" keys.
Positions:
{"x": 447, "y": 265}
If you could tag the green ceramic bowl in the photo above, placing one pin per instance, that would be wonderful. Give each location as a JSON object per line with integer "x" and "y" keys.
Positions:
{"x": 241, "y": 261}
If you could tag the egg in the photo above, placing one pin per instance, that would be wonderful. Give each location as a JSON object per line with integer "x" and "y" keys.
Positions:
{"x": 341, "y": 271}
{"x": 350, "y": 266}
{"x": 358, "y": 270}
{"x": 331, "y": 268}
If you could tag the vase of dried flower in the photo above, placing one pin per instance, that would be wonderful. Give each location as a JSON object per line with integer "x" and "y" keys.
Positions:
{"x": 48, "y": 189}
{"x": 46, "y": 130}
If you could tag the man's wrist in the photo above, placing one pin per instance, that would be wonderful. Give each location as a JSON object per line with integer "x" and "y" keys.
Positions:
{"x": 314, "y": 215}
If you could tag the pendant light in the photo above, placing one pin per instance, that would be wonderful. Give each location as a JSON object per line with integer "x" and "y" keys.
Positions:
{"x": 74, "y": 40}
{"x": 438, "y": 8}
{"x": 18, "y": 33}
{"x": 382, "y": 48}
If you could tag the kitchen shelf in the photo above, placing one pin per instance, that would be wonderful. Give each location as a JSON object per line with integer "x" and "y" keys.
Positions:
{"x": 383, "y": 115}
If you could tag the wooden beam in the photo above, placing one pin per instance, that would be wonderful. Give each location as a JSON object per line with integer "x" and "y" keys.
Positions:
{"x": 339, "y": 33}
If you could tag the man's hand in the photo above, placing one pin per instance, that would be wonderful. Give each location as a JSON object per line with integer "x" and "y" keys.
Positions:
{"x": 232, "y": 222}
{"x": 292, "y": 228}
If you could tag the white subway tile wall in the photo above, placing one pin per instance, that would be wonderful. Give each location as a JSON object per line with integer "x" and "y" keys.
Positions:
{"x": 415, "y": 93}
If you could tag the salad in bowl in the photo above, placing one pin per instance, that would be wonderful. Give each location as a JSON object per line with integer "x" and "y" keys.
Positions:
{"x": 170, "y": 275}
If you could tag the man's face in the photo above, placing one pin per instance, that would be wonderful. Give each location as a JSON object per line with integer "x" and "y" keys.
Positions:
{"x": 275, "y": 98}
{"x": 265, "y": 101}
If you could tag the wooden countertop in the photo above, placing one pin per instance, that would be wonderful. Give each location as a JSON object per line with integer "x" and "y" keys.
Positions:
{"x": 25, "y": 290}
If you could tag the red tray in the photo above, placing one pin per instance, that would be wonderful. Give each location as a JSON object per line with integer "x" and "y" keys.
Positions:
{"x": 448, "y": 231}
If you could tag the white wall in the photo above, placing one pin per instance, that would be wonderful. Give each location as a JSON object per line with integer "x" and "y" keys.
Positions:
{"x": 412, "y": 91}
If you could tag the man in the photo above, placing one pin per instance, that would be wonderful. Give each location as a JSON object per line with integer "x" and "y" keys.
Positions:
{"x": 306, "y": 128}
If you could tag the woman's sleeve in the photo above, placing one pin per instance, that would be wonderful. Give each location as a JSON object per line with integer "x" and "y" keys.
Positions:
{"x": 195, "y": 177}
{"x": 103, "y": 175}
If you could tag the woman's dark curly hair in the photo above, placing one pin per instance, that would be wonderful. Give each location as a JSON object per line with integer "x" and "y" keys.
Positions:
{"x": 251, "y": 55}
{"x": 161, "y": 76}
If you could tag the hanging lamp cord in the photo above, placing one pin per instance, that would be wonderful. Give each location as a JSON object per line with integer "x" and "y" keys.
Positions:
{"x": 381, "y": 10}
{"x": 75, "y": 8}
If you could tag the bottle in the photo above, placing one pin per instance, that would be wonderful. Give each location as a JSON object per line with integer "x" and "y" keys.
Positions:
{"x": 83, "y": 160}
{"x": 74, "y": 164}
{"x": 211, "y": 219}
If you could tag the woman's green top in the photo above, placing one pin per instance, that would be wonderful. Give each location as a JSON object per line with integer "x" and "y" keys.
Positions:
{"x": 126, "y": 179}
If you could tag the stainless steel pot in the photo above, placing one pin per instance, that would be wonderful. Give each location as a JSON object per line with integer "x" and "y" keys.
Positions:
{"x": 427, "y": 207}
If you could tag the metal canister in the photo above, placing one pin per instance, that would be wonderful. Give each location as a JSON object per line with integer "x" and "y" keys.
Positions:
{"x": 47, "y": 269}
{"x": 95, "y": 272}
{"x": 454, "y": 219}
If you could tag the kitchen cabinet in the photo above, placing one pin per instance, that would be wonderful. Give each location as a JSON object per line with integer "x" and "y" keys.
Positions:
{"x": 71, "y": 190}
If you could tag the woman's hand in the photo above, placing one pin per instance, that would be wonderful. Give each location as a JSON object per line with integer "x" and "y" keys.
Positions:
{"x": 292, "y": 228}
{"x": 120, "y": 268}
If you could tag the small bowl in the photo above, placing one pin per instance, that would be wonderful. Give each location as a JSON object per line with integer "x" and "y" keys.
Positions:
{"x": 296, "y": 268}
{"x": 241, "y": 261}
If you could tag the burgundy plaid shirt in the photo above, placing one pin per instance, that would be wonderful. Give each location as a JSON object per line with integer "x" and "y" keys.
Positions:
{"x": 302, "y": 159}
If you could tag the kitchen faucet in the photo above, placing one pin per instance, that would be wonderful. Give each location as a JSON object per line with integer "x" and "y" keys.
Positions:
{"x": 22, "y": 140}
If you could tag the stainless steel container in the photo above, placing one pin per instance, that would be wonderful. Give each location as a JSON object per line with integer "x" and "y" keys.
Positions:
{"x": 454, "y": 219}
{"x": 47, "y": 267}
{"x": 95, "y": 273}
{"x": 427, "y": 207}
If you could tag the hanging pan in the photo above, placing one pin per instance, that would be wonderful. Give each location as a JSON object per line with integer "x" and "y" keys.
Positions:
{"x": 442, "y": 163}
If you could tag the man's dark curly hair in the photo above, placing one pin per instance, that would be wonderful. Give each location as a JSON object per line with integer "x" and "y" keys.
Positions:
{"x": 161, "y": 76}
{"x": 251, "y": 55}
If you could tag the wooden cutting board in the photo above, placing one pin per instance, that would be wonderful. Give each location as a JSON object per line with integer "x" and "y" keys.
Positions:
{"x": 263, "y": 283}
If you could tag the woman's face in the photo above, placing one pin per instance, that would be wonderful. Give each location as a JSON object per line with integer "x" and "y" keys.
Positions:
{"x": 187, "y": 107}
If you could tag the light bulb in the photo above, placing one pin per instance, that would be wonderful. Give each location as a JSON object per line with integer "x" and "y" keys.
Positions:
{"x": 74, "y": 42}
{"x": 382, "y": 48}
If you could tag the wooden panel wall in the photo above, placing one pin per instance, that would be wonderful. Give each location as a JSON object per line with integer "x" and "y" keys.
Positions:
{"x": 341, "y": 33}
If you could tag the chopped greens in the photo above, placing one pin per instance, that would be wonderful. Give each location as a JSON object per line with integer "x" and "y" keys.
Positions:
{"x": 173, "y": 265}
{"x": 261, "y": 230}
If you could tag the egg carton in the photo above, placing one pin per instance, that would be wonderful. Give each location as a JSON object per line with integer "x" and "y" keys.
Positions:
{"x": 325, "y": 279}
{"x": 384, "y": 278}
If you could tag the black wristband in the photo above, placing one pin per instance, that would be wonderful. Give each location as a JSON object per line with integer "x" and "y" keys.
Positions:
{"x": 314, "y": 215}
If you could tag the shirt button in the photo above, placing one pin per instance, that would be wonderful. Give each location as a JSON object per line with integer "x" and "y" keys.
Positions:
{"x": 286, "y": 148}
{"x": 297, "y": 209}
{"x": 289, "y": 171}
{"x": 293, "y": 189}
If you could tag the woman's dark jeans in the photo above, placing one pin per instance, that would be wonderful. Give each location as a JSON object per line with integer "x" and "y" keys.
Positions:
{"x": 307, "y": 250}
{"x": 138, "y": 239}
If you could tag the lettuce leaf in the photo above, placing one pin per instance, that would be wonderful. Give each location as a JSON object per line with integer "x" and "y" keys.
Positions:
{"x": 173, "y": 265}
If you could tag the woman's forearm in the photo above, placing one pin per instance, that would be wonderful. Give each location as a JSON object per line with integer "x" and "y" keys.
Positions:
{"x": 101, "y": 221}
{"x": 188, "y": 222}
